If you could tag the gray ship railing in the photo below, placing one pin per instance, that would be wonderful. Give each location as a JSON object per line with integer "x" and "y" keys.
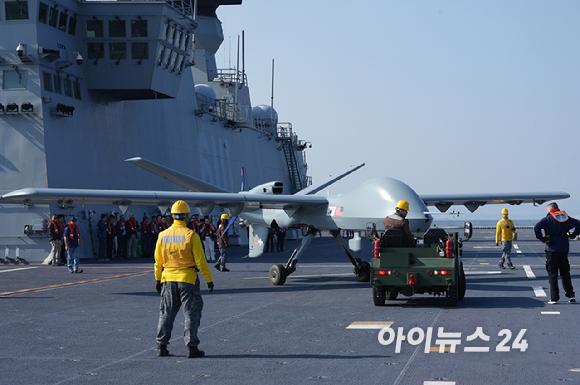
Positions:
{"x": 223, "y": 110}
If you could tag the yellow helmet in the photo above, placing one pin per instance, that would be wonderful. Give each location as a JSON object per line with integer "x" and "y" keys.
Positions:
{"x": 403, "y": 205}
{"x": 180, "y": 207}
{"x": 504, "y": 211}
{"x": 225, "y": 216}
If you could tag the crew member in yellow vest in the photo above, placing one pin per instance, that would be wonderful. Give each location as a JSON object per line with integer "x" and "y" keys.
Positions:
{"x": 178, "y": 259}
{"x": 506, "y": 234}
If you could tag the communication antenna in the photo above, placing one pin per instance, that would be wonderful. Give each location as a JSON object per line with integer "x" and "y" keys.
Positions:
{"x": 237, "y": 72}
{"x": 272, "y": 97}
{"x": 243, "y": 56}
{"x": 193, "y": 34}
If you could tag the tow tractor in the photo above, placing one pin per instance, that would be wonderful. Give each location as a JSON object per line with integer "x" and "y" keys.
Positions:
{"x": 433, "y": 267}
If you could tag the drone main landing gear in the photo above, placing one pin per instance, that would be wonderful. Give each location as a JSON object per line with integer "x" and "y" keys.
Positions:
{"x": 279, "y": 272}
{"x": 362, "y": 269}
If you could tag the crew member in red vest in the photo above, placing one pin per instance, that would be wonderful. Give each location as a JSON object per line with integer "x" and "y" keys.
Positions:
{"x": 122, "y": 237}
{"x": 132, "y": 236}
{"x": 208, "y": 237}
{"x": 153, "y": 233}
{"x": 55, "y": 230}
{"x": 111, "y": 233}
{"x": 72, "y": 244}
{"x": 145, "y": 237}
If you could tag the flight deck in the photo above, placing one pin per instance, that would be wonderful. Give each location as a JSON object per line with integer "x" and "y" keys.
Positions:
{"x": 320, "y": 327}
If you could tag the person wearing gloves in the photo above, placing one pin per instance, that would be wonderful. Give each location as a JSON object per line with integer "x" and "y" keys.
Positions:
{"x": 554, "y": 230}
{"x": 179, "y": 258}
{"x": 506, "y": 234}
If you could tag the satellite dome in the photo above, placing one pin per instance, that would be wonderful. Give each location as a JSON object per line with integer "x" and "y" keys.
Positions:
{"x": 264, "y": 116}
{"x": 263, "y": 111}
{"x": 205, "y": 90}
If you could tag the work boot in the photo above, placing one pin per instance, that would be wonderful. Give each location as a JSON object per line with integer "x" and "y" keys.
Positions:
{"x": 512, "y": 267}
{"x": 162, "y": 350}
{"x": 501, "y": 265}
{"x": 218, "y": 267}
{"x": 225, "y": 269}
{"x": 194, "y": 352}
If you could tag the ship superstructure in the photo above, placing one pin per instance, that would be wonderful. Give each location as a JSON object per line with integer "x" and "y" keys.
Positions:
{"x": 88, "y": 84}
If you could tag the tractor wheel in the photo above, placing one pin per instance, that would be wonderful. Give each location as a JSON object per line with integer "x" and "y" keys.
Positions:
{"x": 379, "y": 295}
{"x": 364, "y": 273}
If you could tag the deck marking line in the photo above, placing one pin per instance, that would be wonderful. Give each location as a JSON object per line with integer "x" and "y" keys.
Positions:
{"x": 539, "y": 292}
{"x": 516, "y": 247}
{"x": 529, "y": 273}
{"x": 550, "y": 312}
{"x": 438, "y": 382}
{"x": 9, "y": 293}
{"x": 369, "y": 325}
{"x": 481, "y": 272}
{"x": 22, "y": 268}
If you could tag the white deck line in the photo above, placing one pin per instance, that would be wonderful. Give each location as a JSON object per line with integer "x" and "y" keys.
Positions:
{"x": 529, "y": 273}
{"x": 22, "y": 268}
{"x": 539, "y": 292}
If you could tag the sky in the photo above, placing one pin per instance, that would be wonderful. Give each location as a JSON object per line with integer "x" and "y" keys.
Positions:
{"x": 447, "y": 96}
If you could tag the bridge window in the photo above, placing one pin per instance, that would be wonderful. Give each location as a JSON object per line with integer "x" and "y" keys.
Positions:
{"x": 47, "y": 80}
{"x": 68, "y": 87}
{"x": 62, "y": 22}
{"x": 72, "y": 26}
{"x": 96, "y": 51}
{"x": 77, "y": 89}
{"x": 184, "y": 41}
{"x": 53, "y": 16}
{"x": 94, "y": 28}
{"x": 15, "y": 80}
{"x": 57, "y": 84}
{"x": 140, "y": 50}
{"x": 16, "y": 10}
{"x": 117, "y": 28}
{"x": 117, "y": 50}
{"x": 139, "y": 28}
{"x": 42, "y": 12}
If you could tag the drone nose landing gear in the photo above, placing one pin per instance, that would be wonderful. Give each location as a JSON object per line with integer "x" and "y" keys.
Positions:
{"x": 279, "y": 272}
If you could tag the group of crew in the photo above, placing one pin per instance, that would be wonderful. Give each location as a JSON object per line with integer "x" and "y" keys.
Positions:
{"x": 64, "y": 239}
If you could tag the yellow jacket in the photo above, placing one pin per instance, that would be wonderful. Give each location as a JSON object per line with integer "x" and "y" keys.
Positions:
{"x": 178, "y": 253}
{"x": 505, "y": 230}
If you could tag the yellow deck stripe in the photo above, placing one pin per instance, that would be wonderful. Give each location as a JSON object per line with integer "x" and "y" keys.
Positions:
{"x": 369, "y": 325}
{"x": 9, "y": 293}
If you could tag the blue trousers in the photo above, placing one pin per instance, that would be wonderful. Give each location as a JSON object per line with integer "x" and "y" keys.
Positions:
{"x": 72, "y": 258}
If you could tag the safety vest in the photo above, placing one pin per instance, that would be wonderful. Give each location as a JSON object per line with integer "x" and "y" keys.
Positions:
{"x": 110, "y": 229}
{"x": 153, "y": 228}
{"x": 559, "y": 216}
{"x": 121, "y": 225}
{"x": 133, "y": 224}
{"x": 57, "y": 226}
{"x": 73, "y": 230}
{"x": 207, "y": 230}
{"x": 145, "y": 227}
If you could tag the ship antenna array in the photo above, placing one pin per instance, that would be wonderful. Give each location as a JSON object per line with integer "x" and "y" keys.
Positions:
{"x": 272, "y": 97}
